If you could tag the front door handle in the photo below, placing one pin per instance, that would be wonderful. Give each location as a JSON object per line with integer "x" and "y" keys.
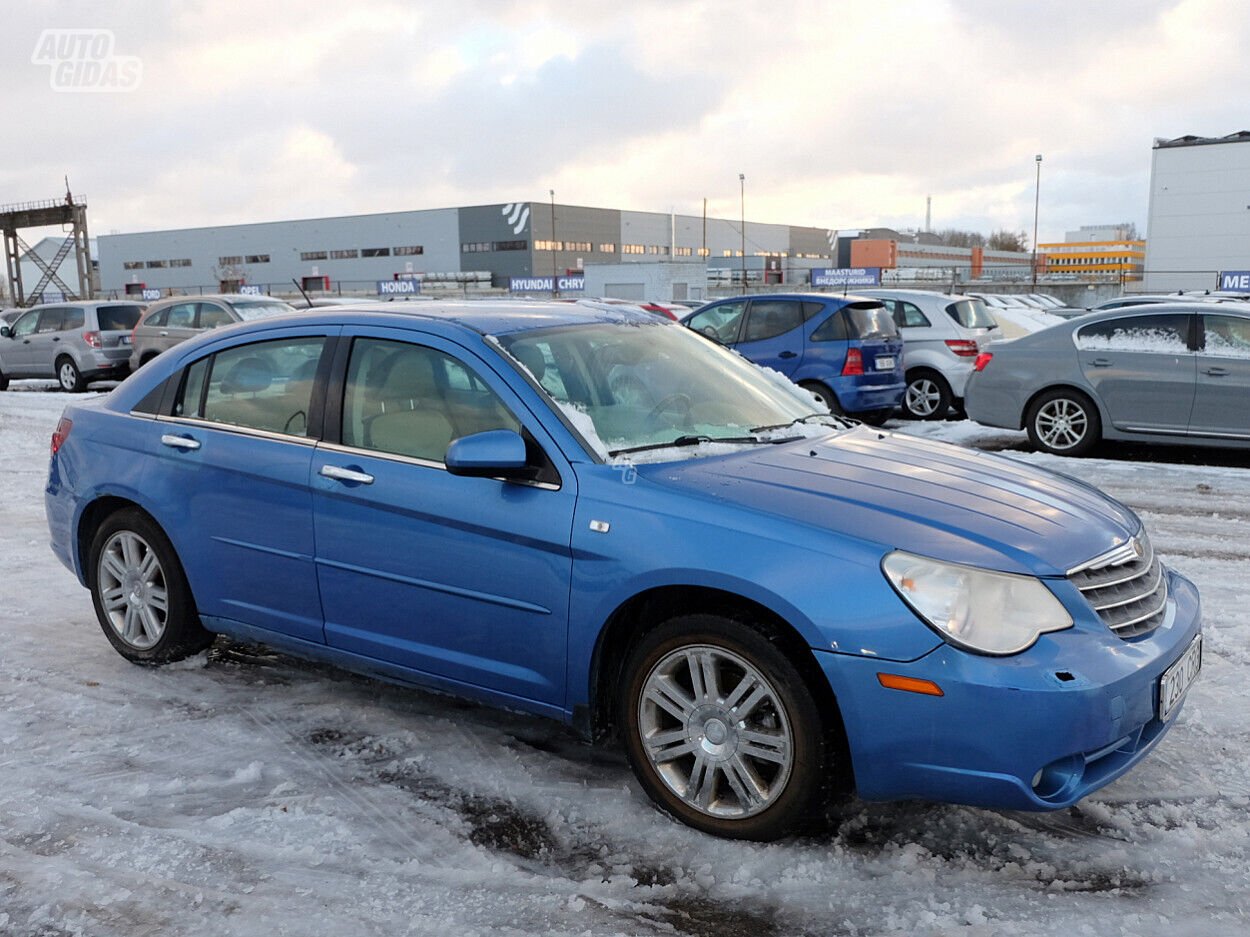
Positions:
{"x": 787, "y": 354}
{"x": 180, "y": 442}
{"x": 1215, "y": 372}
{"x": 346, "y": 475}
{"x": 164, "y": 335}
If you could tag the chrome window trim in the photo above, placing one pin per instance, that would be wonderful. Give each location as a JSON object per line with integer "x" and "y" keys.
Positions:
{"x": 235, "y": 428}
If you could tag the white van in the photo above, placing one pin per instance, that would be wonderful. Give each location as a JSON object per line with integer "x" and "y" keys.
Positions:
{"x": 942, "y": 336}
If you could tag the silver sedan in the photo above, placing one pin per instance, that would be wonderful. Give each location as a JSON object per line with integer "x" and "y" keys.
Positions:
{"x": 1168, "y": 372}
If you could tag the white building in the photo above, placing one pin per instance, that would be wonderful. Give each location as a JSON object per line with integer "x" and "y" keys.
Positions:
{"x": 1199, "y": 221}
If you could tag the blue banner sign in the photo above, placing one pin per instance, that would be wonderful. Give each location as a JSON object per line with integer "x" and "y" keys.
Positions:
{"x": 406, "y": 287}
{"x": 151, "y": 295}
{"x": 846, "y": 276}
{"x": 250, "y": 291}
{"x": 1238, "y": 280}
{"x": 569, "y": 284}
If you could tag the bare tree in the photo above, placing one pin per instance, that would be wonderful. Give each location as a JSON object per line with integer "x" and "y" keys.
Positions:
{"x": 1008, "y": 241}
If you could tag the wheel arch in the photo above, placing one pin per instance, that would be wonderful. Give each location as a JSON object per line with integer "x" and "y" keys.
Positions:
{"x": 647, "y": 610}
{"x": 1062, "y": 385}
{"x": 93, "y": 515}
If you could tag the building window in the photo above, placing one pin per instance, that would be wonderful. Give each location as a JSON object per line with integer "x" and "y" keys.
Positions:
{"x": 181, "y": 262}
{"x": 475, "y": 247}
{"x": 312, "y": 255}
{"x": 633, "y": 249}
{"x": 548, "y": 245}
{"x": 577, "y": 245}
{"x": 228, "y": 261}
{"x": 409, "y": 251}
{"x": 511, "y": 245}
{"x": 344, "y": 255}
{"x": 683, "y": 251}
{"x": 375, "y": 252}
{"x": 258, "y": 258}
{"x": 607, "y": 248}
{"x": 158, "y": 263}
{"x": 133, "y": 265}
{"x": 704, "y": 252}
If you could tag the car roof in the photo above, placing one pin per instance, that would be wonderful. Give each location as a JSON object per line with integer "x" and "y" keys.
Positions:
{"x": 88, "y": 303}
{"x": 876, "y": 291}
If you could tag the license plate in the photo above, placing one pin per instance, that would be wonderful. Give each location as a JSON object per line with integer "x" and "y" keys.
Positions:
{"x": 1178, "y": 678}
{"x": 885, "y": 363}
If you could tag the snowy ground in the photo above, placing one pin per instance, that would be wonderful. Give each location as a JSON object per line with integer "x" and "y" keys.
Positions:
{"x": 245, "y": 793}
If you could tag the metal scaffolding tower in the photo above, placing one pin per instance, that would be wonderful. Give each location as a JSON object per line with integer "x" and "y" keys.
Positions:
{"x": 71, "y": 215}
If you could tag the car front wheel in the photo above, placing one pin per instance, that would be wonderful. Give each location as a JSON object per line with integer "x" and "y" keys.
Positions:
{"x": 1064, "y": 422}
{"x": 140, "y": 593}
{"x": 721, "y": 729}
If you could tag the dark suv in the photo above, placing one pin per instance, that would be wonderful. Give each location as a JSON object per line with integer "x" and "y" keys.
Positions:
{"x": 844, "y": 349}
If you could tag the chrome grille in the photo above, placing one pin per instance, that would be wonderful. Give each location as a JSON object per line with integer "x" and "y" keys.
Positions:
{"x": 1126, "y": 587}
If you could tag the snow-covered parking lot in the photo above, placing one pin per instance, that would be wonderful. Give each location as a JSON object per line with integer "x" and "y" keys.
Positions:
{"x": 246, "y": 793}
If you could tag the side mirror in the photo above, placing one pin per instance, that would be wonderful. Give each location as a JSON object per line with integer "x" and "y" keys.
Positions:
{"x": 5, "y": 332}
{"x": 496, "y": 453}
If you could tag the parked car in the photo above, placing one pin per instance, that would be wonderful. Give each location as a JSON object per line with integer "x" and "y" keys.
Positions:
{"x": 177, "y": 318}
{"x": 942, "y": 336}
{"x": 451, "y": 495}
{"x": 844, "y": 350}
{"x": 1168, "y": 372}
{"x": 75, "y": 342}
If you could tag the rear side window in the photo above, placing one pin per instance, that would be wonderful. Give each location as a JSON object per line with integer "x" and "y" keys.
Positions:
{"x": 1162, "y": 334}
{"x": 212, "y": 317}
{"x": 1227, "y": 336}
{"x": 832, "y": 329}
{"x": 181, "y": 316}
{"x": 118, "y": 318}
{"x": 769, "y": 318}
{"x": 971, "y": 314}
{"x": 160, "y": 317}
{"x": 51, "y": 320}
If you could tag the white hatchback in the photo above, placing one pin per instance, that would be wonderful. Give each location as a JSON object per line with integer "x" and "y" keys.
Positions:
{"x": 942, "y": 336}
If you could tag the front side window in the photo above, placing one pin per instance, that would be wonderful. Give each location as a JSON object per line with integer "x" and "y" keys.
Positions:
{"x": 1166, "y": 333}
{"x": 769, "y": 318}
{"x": 1227, "y": 336}
{"x": 410, "y": 400}
{"x": 906, "y": 315}
{"x": 720, "y": 322}
{"x": 265, "y": 386}
{"x": 25, "y": 325}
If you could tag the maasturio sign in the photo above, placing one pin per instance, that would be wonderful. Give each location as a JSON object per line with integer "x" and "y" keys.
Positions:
{"x": 846, "y": 276}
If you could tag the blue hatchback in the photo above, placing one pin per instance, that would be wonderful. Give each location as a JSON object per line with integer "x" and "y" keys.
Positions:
{"x": 601, "y": 517}
{"x": 845, "y": 350}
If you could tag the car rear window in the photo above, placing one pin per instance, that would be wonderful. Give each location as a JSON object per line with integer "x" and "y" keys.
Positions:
{"x": 971, "y": 314}
{"x": 871, "y": 320}
{"x": 118, "y": 318}
{"x": 260, "y": 310}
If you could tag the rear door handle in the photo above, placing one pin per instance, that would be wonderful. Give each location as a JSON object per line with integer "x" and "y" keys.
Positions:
{"x": 346, "y": 475}
{"x": 180, "y": 442}
{"x": 1215, "y": 372}
{"x": 164, "y": 335}
{"x": 1101, "y": 362}
{"x": 787, "y": 354}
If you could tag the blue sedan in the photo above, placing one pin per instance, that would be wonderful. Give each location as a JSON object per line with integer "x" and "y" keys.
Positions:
{"x": 767, "y": 605}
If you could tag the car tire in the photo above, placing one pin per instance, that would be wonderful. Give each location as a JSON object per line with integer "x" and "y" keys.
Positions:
{"x": 752, "y": 773}
{"x": 927, "y": 395}
{"x": 874, "y": 417}
{"x": 68, "y": 375}
{"x": 4, "y": 381}
{"x": 824, "y": 395}
{"x": 1064, "y": 422}
{"x": 141, "y": 596}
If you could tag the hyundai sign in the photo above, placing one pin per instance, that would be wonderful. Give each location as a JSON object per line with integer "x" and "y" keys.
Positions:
{"x": 405, "y": 287}
{"x": 846, "y": 276}
{"x": 1238, "y": 280}
{"x": 568, "y": 284}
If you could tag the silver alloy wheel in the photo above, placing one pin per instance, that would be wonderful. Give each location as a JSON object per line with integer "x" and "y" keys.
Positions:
{"x": 923, "y": 396}
{"x": 132, "y": 589}
{"x": 1061, "y": 423}
{"x": 714, "y": 729}
{"x": 68, "y": 375}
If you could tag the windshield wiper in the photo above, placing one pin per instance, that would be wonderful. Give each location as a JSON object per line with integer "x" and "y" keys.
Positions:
{"x": 688, "y": 441}
{"x": 801, "y": 419}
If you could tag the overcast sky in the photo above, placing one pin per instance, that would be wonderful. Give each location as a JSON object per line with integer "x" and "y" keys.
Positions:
{"x": 840, "y": 114}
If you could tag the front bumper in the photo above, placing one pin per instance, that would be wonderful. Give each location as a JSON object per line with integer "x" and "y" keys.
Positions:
{"x": 1035, "y": 731}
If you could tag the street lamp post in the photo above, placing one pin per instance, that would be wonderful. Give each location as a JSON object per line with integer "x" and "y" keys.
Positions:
{"x": 1037, "y": 199}
{"x": 554, "y": 278}
{"x": 742, "y": 191}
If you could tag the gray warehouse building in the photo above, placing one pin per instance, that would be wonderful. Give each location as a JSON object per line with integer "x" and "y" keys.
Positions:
{"x": 486, "y": 244}
{"x": 1199, "y": 221}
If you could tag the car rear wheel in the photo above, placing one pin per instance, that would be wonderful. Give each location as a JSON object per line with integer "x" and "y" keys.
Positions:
{"x": 4, "y": 381}
{"x": 927, "y": 396}
{"x": 721, "y": 729}
{"x": 68, "y": 375}
{"x": 1064, "y": 422}
{"x": 822, "y": 393}
{"x": 140, "y": 593}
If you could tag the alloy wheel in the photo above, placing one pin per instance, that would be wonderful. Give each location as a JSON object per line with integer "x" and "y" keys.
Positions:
{"x": 132, "y": 590}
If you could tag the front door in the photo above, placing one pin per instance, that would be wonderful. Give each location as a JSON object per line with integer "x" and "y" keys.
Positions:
{"x": 463, "y": 578}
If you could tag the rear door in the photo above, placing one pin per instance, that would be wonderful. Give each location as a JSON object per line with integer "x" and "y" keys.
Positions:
{"x": 1142, "y": 368}
{"x": 773, "y": 335}
{"x": 1222, "y": 394}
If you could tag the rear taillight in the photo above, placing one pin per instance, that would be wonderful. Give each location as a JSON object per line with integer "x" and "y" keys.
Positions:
{"x": 963, "y": 347}
{"x": 92, "y": 339}
{"x": 61, "y": 433}
{"x": 854, "y": 363}
{"x": 982, "y": 360}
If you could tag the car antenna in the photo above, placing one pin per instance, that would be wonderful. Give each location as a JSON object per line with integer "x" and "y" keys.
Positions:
{"x": 301, "y": 291}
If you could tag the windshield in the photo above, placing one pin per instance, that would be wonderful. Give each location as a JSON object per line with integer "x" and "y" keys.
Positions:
{"x": 260, "y": 309}
{"x": 871, "y": 320}
{"x": 971, "y": 314}
{"x": 636, "y": 386}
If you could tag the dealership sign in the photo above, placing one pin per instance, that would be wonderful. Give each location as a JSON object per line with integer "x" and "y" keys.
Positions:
{"x": 568, "y": 284}
{"x": 405, "y": 287}
{"x": 846, "y": 276}
{"x": 1235, "y": 280}
{"x": 151, "y": 295}
{"x": 250, "y": 291}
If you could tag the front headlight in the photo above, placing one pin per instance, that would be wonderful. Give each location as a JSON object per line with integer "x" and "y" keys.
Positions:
{"x": 983, "y": 611}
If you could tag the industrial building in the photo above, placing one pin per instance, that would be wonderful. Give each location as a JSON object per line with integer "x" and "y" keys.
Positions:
{"x": 1097, "y": 252}
{"x": 1199, "y": 219}
{"x": 515, "y": 245}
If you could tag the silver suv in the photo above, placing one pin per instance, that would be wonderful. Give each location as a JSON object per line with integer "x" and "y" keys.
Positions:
{"x": 174, "y": 320}
{"x": 942, "y": 336}
{"x": 76, "y": 343}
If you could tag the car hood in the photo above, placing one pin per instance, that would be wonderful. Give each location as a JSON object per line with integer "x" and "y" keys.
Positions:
{"x": 926, "y": 497}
